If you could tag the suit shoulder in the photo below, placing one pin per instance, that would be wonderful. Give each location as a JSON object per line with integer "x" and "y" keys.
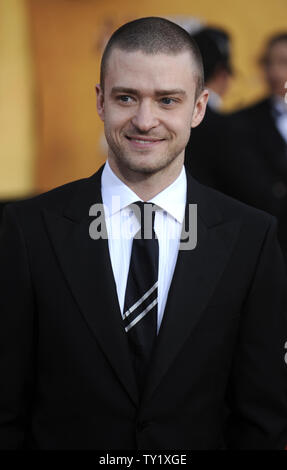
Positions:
{"x": 55, "y": 198}
{"x": 232, "y": 209}
{"x": 252, "y": 110}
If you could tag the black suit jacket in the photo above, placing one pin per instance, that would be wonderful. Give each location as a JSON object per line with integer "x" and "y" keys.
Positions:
{"x": 257, "y": 169}
{"x": 218, "y": 377}
{"x": 205, "y": 151}
{"x": 244, "y": 156}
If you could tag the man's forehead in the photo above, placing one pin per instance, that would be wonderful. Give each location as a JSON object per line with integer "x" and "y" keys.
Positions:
{"x": 140, "y": 58}
{"x": 166, "y": 71}
{"x": 157, "y": 92}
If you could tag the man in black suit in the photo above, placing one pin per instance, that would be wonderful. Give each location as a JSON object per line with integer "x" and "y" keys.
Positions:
{"x": 204, "y": 156}
{"x": 216, "y": 376}
{"x": 246, "y": 154}
{"x": 256, "y": 170}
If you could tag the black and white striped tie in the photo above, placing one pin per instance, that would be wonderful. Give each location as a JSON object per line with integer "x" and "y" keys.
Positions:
{"x": 141, "y": 297}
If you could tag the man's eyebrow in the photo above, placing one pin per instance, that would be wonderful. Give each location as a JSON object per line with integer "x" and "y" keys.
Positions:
{"x": 174, "y": 91}
{"x": 133, "y": 91}
{"x": 120, "y": 89}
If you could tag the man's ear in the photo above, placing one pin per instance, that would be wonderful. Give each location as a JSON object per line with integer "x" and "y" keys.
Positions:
{"x": 100, "y": 102}
{"x": 199, "y": 108}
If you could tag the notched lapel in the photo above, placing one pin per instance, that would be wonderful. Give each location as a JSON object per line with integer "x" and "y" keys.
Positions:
{"x": 196, "y": 276}
{"x": 86, "y": 266}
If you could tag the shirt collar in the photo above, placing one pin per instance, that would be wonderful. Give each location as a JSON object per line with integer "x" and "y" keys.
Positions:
{"x": 173, "y": 198}
{"x": 117, "y": 195}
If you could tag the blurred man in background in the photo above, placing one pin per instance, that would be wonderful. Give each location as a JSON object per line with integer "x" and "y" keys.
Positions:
{"x": 256, "y": 168}
{"x": 245, "y": 154}
{"x": 205, "y": 151}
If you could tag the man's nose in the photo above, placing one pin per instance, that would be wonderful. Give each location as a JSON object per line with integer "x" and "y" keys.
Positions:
{"x": 145, "y": 117}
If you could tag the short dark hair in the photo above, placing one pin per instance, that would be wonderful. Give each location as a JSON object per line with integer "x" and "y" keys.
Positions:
{"x": 279, "y": 37}
{"x": 153, "y": 35}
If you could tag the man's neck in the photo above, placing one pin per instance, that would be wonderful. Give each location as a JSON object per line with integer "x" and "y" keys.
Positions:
{"x": 147, "y": 186}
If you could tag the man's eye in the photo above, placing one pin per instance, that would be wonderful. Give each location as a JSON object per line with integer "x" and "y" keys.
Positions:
{"x": 167, "y": 101}
{"x": 125, "y": 98}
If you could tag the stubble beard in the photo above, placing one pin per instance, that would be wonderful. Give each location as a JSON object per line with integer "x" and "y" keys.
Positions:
{"x": 125, "y": 160}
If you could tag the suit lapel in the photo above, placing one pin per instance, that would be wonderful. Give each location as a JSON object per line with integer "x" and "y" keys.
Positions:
{"x": 86, "y": 266}
{"x": 196, "y": 275}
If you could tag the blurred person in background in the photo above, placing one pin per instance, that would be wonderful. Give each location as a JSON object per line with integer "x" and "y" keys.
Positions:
{"x": 256, "y": 168}
{"x": 205, "y": 150}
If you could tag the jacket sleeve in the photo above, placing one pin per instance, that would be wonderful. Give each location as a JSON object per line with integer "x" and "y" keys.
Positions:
{"x": 17, "y": 352}
{"x": 257, "y": 389}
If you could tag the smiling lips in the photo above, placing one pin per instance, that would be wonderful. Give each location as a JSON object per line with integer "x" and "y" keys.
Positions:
{"x": 144, "y": 142}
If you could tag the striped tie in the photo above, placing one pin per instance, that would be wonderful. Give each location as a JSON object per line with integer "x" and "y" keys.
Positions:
{"x": 140, "y": 307}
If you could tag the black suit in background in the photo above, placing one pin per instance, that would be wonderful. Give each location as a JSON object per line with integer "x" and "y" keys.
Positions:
{"x": 256, "y": 172}
{"x": 245, "y": 157}
{"x": 205, "y": 151}
{"x": 218, "y": 377}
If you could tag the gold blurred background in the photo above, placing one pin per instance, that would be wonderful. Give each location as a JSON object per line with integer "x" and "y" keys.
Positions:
{"x": 49, "y": 63}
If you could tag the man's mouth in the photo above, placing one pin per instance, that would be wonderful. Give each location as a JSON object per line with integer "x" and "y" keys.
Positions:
{"x": 141, "y": 141}
{"x": 144, "y": 141}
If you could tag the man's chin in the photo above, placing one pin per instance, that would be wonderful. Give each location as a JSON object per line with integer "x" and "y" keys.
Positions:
{"x": 147, "y": 167}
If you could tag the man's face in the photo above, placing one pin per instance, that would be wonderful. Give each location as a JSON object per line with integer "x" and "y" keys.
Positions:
{"x": 276, "y": 68}
{"x": 148, "y": 108}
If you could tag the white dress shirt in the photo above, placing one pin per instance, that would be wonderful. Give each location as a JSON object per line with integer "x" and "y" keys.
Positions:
{"x": 122, "y": 225}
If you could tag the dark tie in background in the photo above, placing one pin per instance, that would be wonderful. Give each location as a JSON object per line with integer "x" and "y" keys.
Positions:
{"x": 140, "y": 306}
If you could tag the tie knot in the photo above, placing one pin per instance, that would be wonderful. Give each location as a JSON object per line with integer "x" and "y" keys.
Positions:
{"x": 145, "y": 213}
